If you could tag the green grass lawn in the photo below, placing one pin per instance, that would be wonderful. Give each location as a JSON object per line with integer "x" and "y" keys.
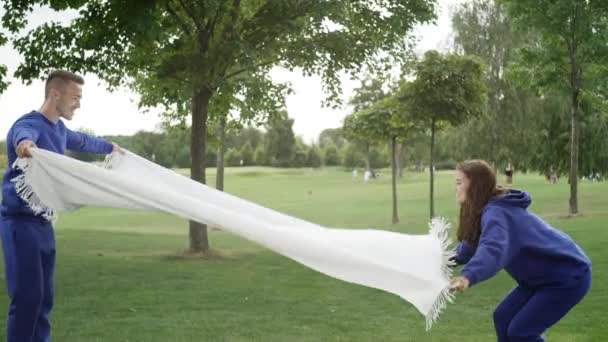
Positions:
{"x": 120, "y": 276}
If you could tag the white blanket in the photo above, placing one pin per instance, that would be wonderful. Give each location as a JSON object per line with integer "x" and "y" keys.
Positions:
{"x": 414, "y": 267}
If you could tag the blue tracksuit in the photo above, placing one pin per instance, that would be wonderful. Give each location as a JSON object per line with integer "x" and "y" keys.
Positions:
{"x": 28, "y": 241}
{"x": 553, "y": 274}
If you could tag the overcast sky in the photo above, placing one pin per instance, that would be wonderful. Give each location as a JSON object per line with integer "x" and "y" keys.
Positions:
{"x": 117, "y": 112}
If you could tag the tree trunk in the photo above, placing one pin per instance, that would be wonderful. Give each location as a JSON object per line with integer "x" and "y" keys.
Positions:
{"x": 575, "y": 78}
{"x": 493, "y": 141}
{"x": 219, "y": 179}
{"x": 574, "y": 154}
{"x": 494, "y": 120}
{"x": 431, "y": 169}
{"x": 200, "y": 101}
{"x": 368, "y": 166}
{"x": 394, "y": 177}
{"x": 401, "y": 160}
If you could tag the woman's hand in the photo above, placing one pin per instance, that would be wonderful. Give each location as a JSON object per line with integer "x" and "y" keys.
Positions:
{"x": 459, "y": 284}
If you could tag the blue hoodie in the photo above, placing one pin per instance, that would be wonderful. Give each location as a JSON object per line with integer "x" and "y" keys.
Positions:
{"x": 531, "y": 251}
{"x": 46, "y": 135}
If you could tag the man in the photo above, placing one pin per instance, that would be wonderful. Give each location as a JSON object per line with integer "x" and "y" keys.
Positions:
{"x": 28, "y": 240}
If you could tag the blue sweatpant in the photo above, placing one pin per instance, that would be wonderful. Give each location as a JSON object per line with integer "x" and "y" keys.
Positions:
{"x": 526, "y": 313}
{"x": 29, "y": 260}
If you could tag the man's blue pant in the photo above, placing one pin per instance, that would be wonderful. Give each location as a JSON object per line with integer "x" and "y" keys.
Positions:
{"x": 526, "y": 313}
{"x": 29, "y": 260}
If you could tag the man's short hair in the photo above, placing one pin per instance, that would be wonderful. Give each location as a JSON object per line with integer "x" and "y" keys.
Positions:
{"x": 59, "y": 79}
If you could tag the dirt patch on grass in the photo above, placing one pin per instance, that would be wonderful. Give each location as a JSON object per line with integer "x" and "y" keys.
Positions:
{"x": 211, "y": 255}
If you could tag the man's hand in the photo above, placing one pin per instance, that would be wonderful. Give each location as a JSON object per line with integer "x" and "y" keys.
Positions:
{"x": 459, "y": 284}
{"x": 117, "y": 148}
{"x": 23, "y": 149}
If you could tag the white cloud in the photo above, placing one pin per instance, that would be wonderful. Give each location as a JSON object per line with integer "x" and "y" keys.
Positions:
{"x": 117, "y": 112}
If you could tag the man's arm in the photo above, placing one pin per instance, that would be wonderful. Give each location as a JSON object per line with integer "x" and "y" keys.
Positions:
{"x": 81, "y": 142}
{"x": 25, "y": 136}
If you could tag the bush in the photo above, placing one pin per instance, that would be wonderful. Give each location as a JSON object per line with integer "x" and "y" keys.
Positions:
{"x": 445, "y": 165}
{"x": 3, "y": 162}
{"x": 331, "y": 155}
{"x": 211, "y": 157}
{"x": 232, "y": 157}
{"x": 352, "y": 158}
{"x": 182, "y": 158}
{"x": 247, "y": 154}
{"x": 378, "y": 158}
{"x": 260, "y": 156}
{"x": 314, "y": 157}
{"x": 300, "y": 158}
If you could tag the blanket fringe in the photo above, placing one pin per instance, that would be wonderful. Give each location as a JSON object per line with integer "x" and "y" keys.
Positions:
{"x": 111, "y": 161}
{"x": 27, "y": 194}
{"x": 439, "y": 227}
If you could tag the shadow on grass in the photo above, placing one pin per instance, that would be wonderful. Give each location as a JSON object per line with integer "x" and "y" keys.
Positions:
{"x": 211, "y": 255}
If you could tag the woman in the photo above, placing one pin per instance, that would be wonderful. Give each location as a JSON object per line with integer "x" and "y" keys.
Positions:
{"x": 509, "y": 173}
{"x": 497, "y": 232}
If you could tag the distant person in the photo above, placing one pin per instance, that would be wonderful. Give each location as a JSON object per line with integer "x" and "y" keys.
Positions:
{"x": 28, "y": 240}
{"x": 551, "y": 175}
{"x": 509, "y": 173}
{"x": 497, "y": 232}
{"x": 367, "y": 176}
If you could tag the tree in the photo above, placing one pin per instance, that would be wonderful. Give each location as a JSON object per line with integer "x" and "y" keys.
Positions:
{"x": 3, "y": 69}
{"x": 315, "y": 159}
{"x": 354, "y": 130}
{"x": 379, "y": 156}
{"x": 145, "y": 144}
{"x": 247, "y": 154}
{"x": 233, "y": 157}
{"x": 385, "y": 120}
{"x": 191, "y": 56}
{"x": 3, "y": 161}
{"x": 570, "y": 54}
{"x": 594, "y": 145}
{"x": 223, "y": 127}
{"x": 483, "y": 29}
{"x": 221, "y": 136}
{"x": 300, "y": 157}
{"x": 280, "y": 141}
{"x": 552, "y": 150}
{"x": 246, "y": 135}
{"x": 330, "y": 155}
{"x": 260, "y": 156}
{"x": 549, "y": 151}
{"x": 333, "y": 136}
{"x": 352, "y": 157}
{"x": 359, "y": 143}
{"x": 174, "y": 147}
{"x": 447, "y": 90}
{"x": 256, "y": 99}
